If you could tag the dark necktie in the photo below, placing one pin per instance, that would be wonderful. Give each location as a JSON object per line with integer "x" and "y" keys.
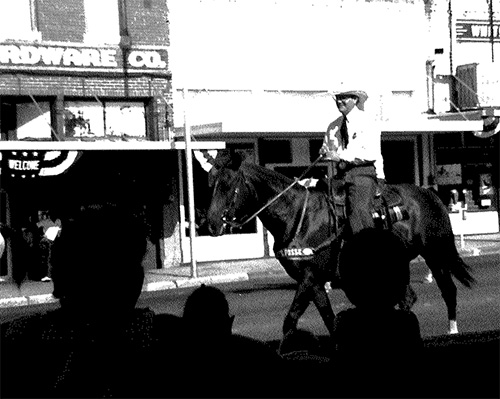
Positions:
{"x": 343, "y": 133}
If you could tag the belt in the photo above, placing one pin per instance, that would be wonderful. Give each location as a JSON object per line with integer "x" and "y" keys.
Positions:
{"x": 343, "y": 165}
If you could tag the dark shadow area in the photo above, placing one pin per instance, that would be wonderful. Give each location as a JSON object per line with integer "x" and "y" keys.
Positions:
{"x": 465, "y": 365}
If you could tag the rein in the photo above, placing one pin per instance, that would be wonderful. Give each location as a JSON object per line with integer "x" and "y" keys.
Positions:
{"x": 232, "y": 223}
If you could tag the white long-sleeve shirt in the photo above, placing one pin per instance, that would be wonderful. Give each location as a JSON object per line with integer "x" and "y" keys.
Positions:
{"x": 364, "y": 140}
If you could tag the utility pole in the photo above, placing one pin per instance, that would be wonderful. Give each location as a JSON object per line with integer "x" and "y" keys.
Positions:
{"x": 492, "y": 39}
{"x": 190, "y": 184}
{"x": 450, "y": 27}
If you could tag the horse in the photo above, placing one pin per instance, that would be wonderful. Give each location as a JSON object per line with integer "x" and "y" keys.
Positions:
{"x": 307, "y": 231}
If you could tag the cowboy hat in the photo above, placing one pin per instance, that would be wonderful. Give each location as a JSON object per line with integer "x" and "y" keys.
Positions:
{"x": 361, "y": 95}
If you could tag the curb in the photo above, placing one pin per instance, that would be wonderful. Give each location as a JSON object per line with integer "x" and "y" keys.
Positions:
{"x": 186, "y": 282}
{"x": 148, "y": 287}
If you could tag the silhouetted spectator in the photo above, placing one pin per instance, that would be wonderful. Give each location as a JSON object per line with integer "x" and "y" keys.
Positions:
{"x": 376, "y": 343}
{"x": 49, "y": 230}
{"x": 306, "y": 359}
{"x": 97, "y": 344}
{"x": 225, "y": 364}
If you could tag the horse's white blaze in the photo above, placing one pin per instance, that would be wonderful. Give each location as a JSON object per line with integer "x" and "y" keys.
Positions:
{"x": 453, "y": 329}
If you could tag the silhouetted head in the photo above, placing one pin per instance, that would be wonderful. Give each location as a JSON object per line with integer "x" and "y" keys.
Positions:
{"x": 374, "y": 269}
{"x": 299, "y": 341}
{"x": 206, "y": 312}
{"x": 97, "y": 260}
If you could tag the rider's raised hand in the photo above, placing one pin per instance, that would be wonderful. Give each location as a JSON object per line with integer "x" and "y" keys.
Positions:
{"x": 328, "y": 154}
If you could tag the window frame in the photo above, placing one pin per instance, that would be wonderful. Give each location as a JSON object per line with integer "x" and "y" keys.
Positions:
{"x": 31, "y": 34}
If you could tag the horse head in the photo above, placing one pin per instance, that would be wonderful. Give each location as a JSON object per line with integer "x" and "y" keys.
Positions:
{"x": 230, "y": 193}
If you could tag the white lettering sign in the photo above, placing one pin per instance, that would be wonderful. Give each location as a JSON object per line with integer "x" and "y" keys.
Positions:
{"x": 32, "y": 55}
{"x": 150, "y": 59}
{"x": 15, "y": 164}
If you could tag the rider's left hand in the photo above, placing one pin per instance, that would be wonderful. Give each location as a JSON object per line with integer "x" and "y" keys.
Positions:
{"x": 329, "y": 155}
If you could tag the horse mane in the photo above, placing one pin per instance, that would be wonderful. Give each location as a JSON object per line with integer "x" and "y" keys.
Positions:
{"x": 271, "y": 177}
{"x": 279, "y": 180}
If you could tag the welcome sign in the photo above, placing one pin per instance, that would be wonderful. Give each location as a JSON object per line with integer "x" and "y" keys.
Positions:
{"x": 32, "y": 56}
{"x": 31, "y": 164}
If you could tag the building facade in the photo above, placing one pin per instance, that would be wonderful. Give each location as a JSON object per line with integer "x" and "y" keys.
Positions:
{"x": 259, "y": 75}
{"x": 94, "y": 74}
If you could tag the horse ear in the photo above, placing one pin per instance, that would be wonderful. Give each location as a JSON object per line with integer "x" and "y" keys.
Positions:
{"x": 236, "y": 159}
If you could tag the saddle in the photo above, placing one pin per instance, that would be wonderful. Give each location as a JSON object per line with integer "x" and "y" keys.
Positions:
{"x": 388, "y": 209}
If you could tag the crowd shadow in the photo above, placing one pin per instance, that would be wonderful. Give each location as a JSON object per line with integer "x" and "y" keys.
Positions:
{"x": 103, "y": 345}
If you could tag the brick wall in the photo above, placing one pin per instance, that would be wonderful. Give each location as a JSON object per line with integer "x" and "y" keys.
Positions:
{"x": 64, "y": 21}
{"x": 79, "y": 86}
{"x": 148, "y": 22}
{"x": 61, "y": 20}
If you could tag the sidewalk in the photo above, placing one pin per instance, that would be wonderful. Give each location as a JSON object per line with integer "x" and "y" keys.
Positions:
{"x": 36, "y": 292}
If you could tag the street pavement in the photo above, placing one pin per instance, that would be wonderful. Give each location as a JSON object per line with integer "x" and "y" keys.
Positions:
{"x": 37, "y": 292}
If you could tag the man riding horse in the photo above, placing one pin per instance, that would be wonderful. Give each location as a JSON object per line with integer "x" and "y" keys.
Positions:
{"x": 353, "y": 144}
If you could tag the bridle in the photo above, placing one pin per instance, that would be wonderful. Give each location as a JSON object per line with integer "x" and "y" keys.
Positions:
{"x": 236, "y": 192}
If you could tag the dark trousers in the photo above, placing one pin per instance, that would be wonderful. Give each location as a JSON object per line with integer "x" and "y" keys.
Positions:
{"x": 361, "y": 187}
{"x": 45, "y": 250}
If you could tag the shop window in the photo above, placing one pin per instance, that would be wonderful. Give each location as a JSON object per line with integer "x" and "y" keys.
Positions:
{"x": 25, "y": 120}
{"x": 464, "y": 171}
{"x": 33, "y": 121}
{"x": 275, "y": 151}
{"x": 314, "y": 147}
{"x": 102, "y": 22}
{"x": 18, "y": 20}
{"x": 99, "y": 119}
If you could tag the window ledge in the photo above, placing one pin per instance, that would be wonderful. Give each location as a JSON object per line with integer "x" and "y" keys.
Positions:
{"x": 95, "y": 39}
{"x": 29, "y": 36}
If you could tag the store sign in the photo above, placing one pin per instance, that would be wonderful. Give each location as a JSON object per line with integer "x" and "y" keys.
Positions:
{"x": 31, "y": 164}
{"x": 67, "y": 57}
{"x": 477, "y": 30}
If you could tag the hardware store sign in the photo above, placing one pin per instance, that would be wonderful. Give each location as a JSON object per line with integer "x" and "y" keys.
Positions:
{"x": 477, "y": 30}
{"x": 81, "y": 58}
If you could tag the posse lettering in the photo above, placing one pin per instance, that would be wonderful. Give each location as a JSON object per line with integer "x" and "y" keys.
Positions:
{"x": 50, "y": 56}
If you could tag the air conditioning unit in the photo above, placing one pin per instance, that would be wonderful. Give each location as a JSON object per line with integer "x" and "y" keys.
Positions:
{"x": 477, "y": 85}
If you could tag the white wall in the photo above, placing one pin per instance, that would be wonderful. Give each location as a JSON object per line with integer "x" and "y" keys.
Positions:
{"x": 378, "y": 46}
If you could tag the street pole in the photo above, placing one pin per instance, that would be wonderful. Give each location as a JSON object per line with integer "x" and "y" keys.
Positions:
{"x": 492, "y": 39}
{"x": 190, "y": 185}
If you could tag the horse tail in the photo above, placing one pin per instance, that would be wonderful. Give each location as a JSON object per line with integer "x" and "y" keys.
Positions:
{"x": 462, "y": 272}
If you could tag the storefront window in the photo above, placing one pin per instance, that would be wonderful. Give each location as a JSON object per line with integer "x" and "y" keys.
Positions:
{"x": 33, "y": 121}
{"x": 54, "y": 186}
{"x": 93, "y": 119}
{"x": 464, "y": 171}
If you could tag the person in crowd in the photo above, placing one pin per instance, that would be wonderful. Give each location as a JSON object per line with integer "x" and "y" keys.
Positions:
{"x": 49, "y": 230}
{"x": 353, "y": 142}
{"x": 98, "y": 343}
{"x": 375, "y": 340}
{"x": 306, "y": 359}
{"x": 223, "y": 359}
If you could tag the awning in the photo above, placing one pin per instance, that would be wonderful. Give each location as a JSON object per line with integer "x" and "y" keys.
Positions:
{"x": 107, "y": 145}
{"x": 431, "y": 126}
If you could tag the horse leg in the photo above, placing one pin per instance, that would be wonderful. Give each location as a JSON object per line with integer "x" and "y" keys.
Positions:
{"x": 322, "y": 302}
{"x": 299, "y": 304}
{"x": 449, "y": 293}
{"x": 409, "y": 299}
